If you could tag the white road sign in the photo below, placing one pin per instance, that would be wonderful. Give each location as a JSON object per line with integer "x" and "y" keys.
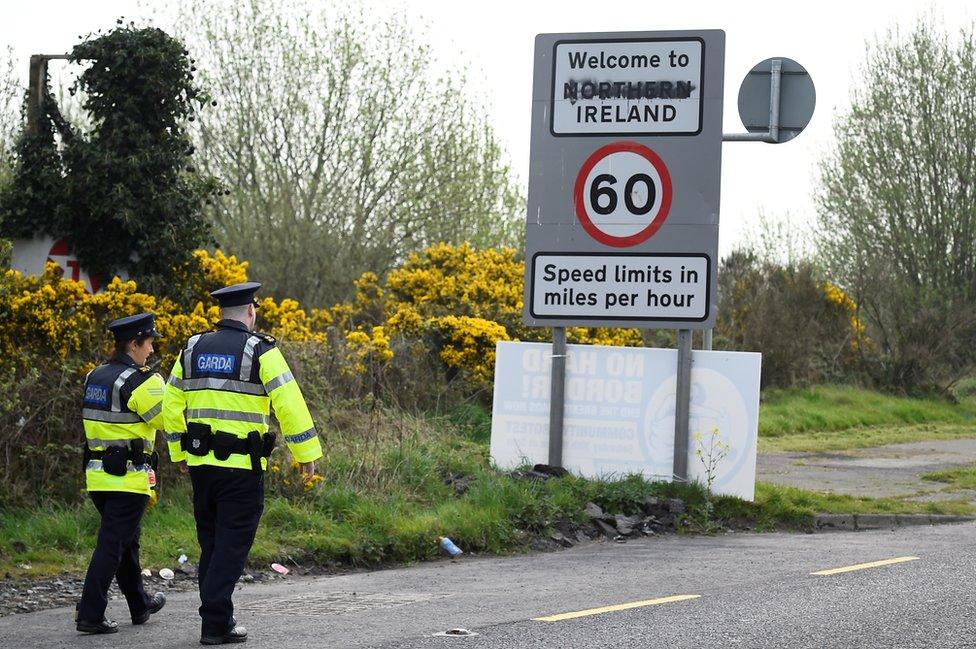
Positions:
{"x": 624, "y": 175}
{"x": 625, "y": 286}
{"x": 627, "y": 86}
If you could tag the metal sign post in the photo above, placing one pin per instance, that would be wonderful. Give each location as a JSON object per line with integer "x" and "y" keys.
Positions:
{"x": 622, "y": 218}
{"x": 557, "y": 396}
{"x": 682, "y": 404}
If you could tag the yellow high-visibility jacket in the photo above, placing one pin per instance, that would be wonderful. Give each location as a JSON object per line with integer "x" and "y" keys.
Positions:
{"x": 123, "y": 401}
{"x": 230, "y": 379}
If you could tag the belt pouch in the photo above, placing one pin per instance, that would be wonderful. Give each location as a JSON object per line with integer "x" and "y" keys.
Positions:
{"x": 267, "y": 444}
{"x": 137, "y": 452}
{"x": 254, "y": 448}
{"x": 114, "y": 460}
{"x": 223, "y": 445}
{"x": 196, "y": 439}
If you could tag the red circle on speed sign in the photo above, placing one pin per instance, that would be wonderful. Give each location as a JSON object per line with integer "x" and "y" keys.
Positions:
{"x": 622, "y": 194}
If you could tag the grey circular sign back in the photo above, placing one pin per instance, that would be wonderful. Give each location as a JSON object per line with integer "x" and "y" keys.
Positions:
{"x": 796, "y": 100}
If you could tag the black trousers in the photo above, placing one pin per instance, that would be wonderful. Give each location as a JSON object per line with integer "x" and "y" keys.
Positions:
{"x": 116, "y": 555}
{"x": 227, "y": 506}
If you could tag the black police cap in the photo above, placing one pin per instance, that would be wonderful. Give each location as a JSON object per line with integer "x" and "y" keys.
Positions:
{"x": 133, "y": 327}
{"x": 238, "y": 294}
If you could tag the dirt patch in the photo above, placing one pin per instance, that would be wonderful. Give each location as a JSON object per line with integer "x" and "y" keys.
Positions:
{"x": 893, "y": 471}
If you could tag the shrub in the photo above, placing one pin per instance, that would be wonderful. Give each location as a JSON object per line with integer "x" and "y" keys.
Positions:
{"x": 807, "y": 329}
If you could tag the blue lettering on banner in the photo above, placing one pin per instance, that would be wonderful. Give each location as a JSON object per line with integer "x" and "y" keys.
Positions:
{"x": 96, "y": 395}
{"x": 218, "y": 363}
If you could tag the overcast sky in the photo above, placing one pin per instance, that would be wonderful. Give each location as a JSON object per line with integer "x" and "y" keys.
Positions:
{"x": 495, "y": 41}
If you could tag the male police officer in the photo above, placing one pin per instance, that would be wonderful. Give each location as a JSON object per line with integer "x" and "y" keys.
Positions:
{"x": 224, "y": 382}
{"x": 122, "y": 412}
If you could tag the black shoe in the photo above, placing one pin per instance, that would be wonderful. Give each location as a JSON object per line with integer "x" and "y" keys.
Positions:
{"x": 156, "y": 603}
{"x": 105, "y": 626}
{"x": 235, "y": 635}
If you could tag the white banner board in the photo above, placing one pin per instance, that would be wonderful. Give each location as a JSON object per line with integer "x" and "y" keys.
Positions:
{"x": 29, "y": 256}
{"x": 619, "y": 413}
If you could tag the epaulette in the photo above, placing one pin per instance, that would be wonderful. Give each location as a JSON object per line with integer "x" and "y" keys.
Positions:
{"x": 145, "y": 368}
{"x": 268, "y": 338}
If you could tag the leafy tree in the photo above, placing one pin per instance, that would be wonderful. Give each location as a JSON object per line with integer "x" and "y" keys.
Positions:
{"x": 340, "y": 149}
{"x": 897, "y": 204}
{"x": 125, "y": 191}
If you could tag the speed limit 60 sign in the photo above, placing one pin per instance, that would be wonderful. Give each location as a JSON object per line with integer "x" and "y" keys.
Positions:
{"x": 622, "y": 219}
{"x": 622, "y": 194}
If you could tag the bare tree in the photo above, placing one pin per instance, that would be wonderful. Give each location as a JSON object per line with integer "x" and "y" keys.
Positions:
{"x": 11, "y": 98}
{"x": 340, "y": 149}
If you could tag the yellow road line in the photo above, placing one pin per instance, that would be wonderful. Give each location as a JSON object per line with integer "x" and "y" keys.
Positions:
{"x": 864, "y": 566}
{"x": 617, "y": 607}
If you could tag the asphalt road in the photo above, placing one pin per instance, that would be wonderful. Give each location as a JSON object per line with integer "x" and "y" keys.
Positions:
{"x": 743, "y": 590}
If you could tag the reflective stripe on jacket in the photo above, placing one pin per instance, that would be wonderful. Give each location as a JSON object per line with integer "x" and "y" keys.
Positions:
{"x": 122, "y": 402}
{"x": 230, "y": 379}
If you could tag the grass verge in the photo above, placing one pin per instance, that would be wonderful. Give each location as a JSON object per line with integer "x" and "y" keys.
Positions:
{"x": 334, "y": 527}
{"x": 854, "y": 438}
{"x": 959, "y": 479}
{"x": 835, "y": 418}
{"x": 394, "y": 483}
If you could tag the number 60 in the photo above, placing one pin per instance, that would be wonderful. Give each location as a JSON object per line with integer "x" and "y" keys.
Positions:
{"x": 596, "y": 191}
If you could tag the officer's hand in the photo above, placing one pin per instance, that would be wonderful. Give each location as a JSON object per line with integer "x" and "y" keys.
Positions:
{"x": 307, "y": 470}
{"x": 184, "y": 469}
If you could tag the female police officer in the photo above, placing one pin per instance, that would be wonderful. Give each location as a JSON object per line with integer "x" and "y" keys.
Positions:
{"x": 121, "y": 414}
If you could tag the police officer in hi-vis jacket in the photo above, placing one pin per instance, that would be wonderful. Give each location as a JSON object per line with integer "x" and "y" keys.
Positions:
{"x": 121, "y": 413}
{"x": 216, "y": 412}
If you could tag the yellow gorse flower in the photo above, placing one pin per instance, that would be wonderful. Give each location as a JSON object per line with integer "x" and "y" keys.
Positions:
{"x": 453, "y": 301}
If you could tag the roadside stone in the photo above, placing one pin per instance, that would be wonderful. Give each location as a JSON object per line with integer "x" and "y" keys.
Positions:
{"x": 550, "y": 471}
{"x": 461, "y": 483}
{"x": 187, "y": 569}
{"x": 676, "y": 506}
{"x": 593, "y": 511}
{"x": 561, "y": 539}
{"x": 626, "y": 524}
{"x": 608, "y": 530}
{"x": 651, "y": 505}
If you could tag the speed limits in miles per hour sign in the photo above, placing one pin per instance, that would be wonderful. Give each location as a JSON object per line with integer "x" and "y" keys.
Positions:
{"x": 623, "y": 207}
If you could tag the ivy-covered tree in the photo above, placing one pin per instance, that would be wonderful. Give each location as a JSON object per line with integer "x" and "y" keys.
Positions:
{"x": 31, "y": 203}
{"x": 126, "y": 191}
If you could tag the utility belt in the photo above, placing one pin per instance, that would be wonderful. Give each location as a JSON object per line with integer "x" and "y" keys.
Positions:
{"x": 115, "y": 459}
{"x": 199, "y": 439}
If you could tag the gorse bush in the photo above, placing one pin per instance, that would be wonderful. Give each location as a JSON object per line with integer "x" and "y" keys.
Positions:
{"x": 422, "y": 340}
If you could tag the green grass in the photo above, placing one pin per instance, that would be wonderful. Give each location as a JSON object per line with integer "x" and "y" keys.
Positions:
{"x": 388, "y": 496}
{"x": 854, "y": 438}
{"x": 778, "y": 503}
{"x": 836, "y": 418}
{"x": 957, "y": 479}
{"x": 335, "y": 527}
